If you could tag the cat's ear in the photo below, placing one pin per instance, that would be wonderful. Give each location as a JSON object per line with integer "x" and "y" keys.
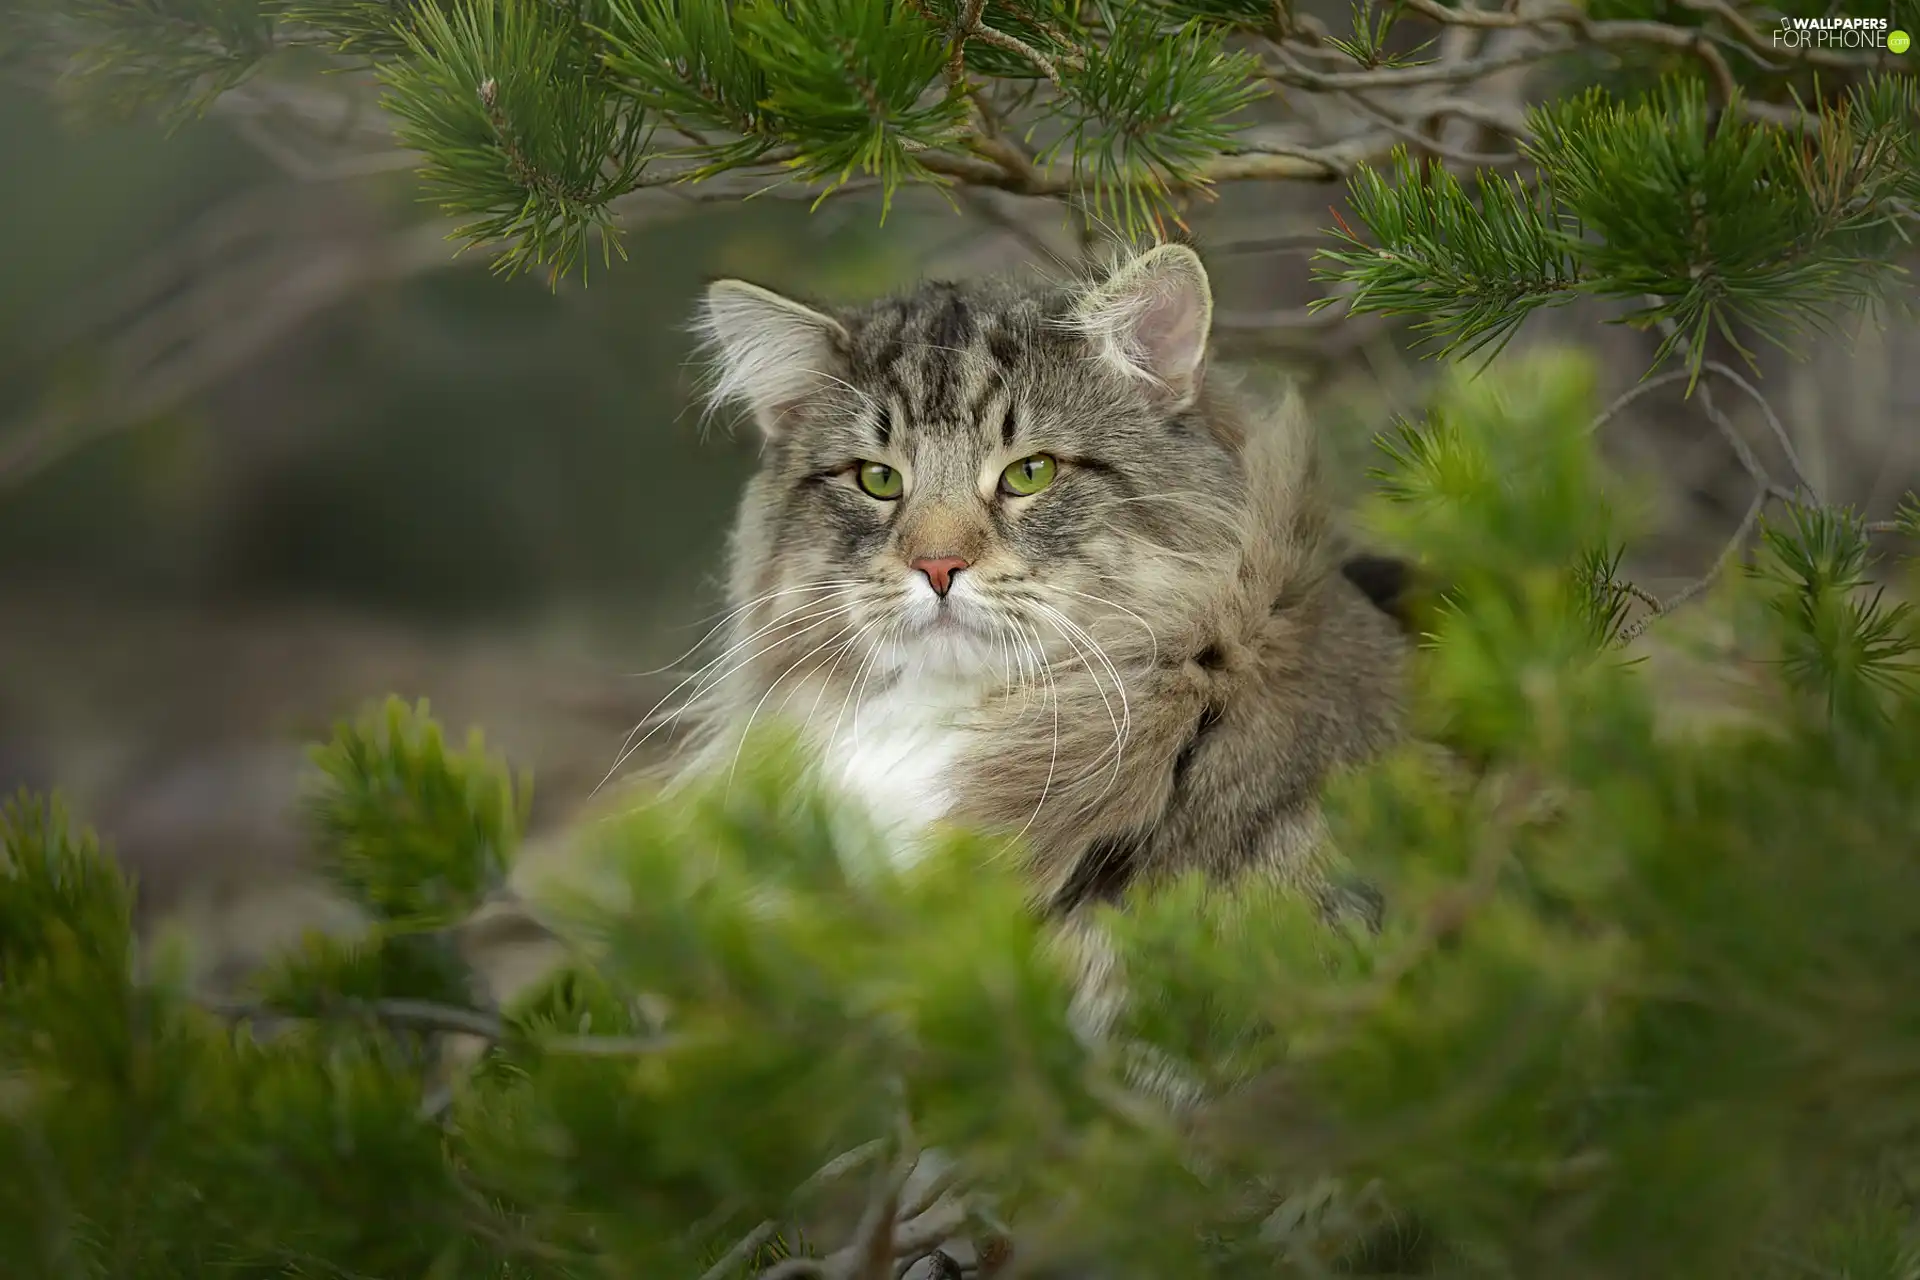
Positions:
{"x": 1151, "y": 318}
{"x": 770, "y": 353}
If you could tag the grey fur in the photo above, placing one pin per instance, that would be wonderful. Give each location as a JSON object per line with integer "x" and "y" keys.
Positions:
{"x": 1186, "y": 537}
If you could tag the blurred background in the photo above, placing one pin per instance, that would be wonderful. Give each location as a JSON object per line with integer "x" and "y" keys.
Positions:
{"x": 270, "y": 450}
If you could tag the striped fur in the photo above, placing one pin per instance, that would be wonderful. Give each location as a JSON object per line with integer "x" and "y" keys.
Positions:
{"x": 1149, "y": 667}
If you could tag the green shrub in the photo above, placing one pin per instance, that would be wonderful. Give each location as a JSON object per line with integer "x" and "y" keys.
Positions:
{"x": 1642, "y": 1005}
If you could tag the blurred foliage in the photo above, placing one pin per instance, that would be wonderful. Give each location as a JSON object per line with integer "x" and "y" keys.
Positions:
{"x": 442, "y": 447}
{"x": 1678, "y": 162}
{"x": 1641, "y": 1006}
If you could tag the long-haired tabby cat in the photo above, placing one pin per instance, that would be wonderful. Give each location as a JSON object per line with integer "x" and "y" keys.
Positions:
{"x": 1016, "y": 556}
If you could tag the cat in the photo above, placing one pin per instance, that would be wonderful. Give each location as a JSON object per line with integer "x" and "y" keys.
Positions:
{"x": 1021, "y": 556}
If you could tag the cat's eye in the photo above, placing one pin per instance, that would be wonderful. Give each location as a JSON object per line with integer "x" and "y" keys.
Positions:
{"x": 1028, "y": 476}
{"x": 878, "y": 480}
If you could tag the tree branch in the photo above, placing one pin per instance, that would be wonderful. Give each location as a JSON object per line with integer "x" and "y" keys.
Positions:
{"x": 1731, "y": 553}
{"x": 442, "y": 1019}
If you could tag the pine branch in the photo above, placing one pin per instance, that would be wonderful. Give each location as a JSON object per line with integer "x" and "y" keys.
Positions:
{"x": 1729, "y": 224}
{"x": 169, "y": 57}
{"x": 1473, "y": 270}
{"x": 506, "y": 101}
{"x": 441, "y": 1019}
{"x": 1732, "y": 554}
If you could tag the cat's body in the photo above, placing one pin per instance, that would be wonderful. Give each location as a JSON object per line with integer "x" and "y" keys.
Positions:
{"x": 1017, "y": 558}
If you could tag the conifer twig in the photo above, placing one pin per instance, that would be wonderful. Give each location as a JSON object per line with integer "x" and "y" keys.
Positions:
{"x": 1766, "y": 488}
{"x": 1640, "y": 389}
{"x": 743, "y": 1248}
{"x": 1731, "y": 553}
{"x": 444, "y": 1019}
{"x": 1772, "y": 419}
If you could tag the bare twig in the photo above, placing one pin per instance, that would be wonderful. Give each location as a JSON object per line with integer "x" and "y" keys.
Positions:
{"x": 1773, "y": 419}
{"x": 742, "y": 1249}
{"x": 1693, "y": 40}
{"x": 1412, "y": 77}
{"x": 870, "y": 1256}
{"x": 1260, "y": 162}
{"x": 1434, "y": 146}
{"x": 189, "y": 346}
{"x": 937, "y": 1186}
{"x": 1710, "y": 406}
{"x": 924, "y": 1232}
{"x": 843, "y": 1164}
{"x": 1766, "y": 488}
{"x": 1732, "y": 552}
{"x": 1640, "y": 593}
{"x": 1014, "y": 45}
{"x": 1760, "y": 45}
{"x": 1640, "y": 389}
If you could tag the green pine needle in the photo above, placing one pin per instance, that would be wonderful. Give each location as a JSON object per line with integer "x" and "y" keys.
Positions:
{"x": 1841, "y": 639}
{"x": 1049, "y": 26}
{"x": 1371, "y": 28}
{"x": 171, "y": 58}
{"x": 414, "y": 833}
{"x": 1474, "y": 270}
{"x": 1735, "y": 227}
{"x": 1143, "y": 113}
{"x": 522, "y": 131}
{"x": 688, "y": 62}
{"x": 374, "y": 29}
{"x": 61, "y": 897}
{"x": 847, "y": 81}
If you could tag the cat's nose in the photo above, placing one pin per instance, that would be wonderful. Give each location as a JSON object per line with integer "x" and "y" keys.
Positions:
{"x": 940, "y": 571}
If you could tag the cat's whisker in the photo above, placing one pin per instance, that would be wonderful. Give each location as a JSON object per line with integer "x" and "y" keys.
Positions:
{"x": 698, "y": 673}
{"x": 1029, "y": 689}
{"x": 699, "y": 676}
{"x": 864, "y": 673}
{"x": 747, "y": 732}
{"x": 1053, "y": 756}
{"x": 1018, "y": 667}
{"x": 676, "y": 716}
{"x": 840, "y": 644}
{"x": 1119, "y": 608}
{"x": 632, "y": 746}
{"x": 1094, "y": 765}
{"x": 832, "y": 666}
{"x": 1123, "y": 722}
{"x": 853, "y": 689}
{"x": 720, "y": 620}
{"x": 865, "y": 398}
{"x": 826, "y": 683}
{"x": 1191, "y": 503}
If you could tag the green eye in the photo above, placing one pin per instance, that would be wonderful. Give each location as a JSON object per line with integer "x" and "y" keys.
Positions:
{"x": 878, "y": 480}
{"x": 1028, "y": 476}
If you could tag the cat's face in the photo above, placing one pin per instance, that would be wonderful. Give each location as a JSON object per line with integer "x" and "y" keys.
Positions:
{"x": 965, "y": 480}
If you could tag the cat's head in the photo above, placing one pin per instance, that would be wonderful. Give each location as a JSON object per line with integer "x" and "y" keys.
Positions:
{"x": 953, "y": 477}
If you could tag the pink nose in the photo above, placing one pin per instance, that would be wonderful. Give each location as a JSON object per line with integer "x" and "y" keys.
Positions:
{"x": 940, "y": 570}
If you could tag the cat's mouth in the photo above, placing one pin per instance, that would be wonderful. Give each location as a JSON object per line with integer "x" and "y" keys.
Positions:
{"x": 946, "y": 639}
{"x": 950, "y": 617}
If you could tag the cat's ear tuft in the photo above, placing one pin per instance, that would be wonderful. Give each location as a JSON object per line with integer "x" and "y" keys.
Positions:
{"x": 1151, "y": 319}
{"x": 769, "y": 353}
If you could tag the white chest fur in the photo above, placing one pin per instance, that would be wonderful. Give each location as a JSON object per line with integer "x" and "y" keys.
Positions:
{"x": 896, "y": 753}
